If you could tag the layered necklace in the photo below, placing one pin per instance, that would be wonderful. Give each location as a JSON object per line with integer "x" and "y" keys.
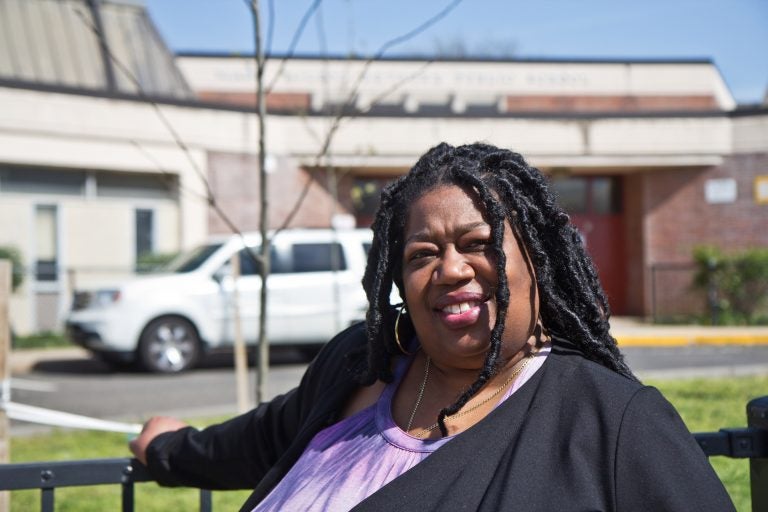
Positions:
{"x": 425, "y": 431}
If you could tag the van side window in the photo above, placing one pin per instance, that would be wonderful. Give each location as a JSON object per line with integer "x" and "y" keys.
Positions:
{"x": 317, "y": 257}
{"x": 251, "y": 267}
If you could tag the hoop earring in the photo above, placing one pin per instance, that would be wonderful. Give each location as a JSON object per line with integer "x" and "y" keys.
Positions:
{"x": 397, "y": 333}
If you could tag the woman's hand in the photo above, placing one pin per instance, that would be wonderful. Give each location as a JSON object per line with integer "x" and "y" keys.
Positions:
{"x": 153, "y": 428}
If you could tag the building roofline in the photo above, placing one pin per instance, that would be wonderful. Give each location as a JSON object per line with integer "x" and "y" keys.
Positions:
{"x": 756, "y": 109}
{"x": 424, "y": 58}
{"x": 208, "y": 105}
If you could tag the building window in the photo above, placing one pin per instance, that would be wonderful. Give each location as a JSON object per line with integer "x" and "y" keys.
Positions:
{"x": 572, "y": 194}
{"x": 46, "y": 227}
{"x": 606, "y": 195}
{"x": 134, "y": 185}
{"x": 365, "y": 192}
{"x": 32, "y": 180}
{"x": 145, "y": 233}
{"x": 588, "y": 194}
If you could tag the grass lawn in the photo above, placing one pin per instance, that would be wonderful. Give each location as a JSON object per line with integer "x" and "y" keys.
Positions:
{"x": 75, "y": 445}
{"x": 705, "y": 405}
{"x": 41, "y": 340}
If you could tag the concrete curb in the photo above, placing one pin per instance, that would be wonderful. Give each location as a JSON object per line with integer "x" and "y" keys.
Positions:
{"x": 633, "y": 333}
{"x": 668, "y": 340}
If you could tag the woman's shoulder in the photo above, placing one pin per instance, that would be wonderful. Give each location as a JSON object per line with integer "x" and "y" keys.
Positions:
{"x": 574, "y": 382}
{"x": 351, "y": 340}
{"x": 578, "y": 373}
{"x": 345, "y": 353}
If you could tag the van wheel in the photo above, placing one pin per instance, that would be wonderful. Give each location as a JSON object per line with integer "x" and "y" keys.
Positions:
{"x": 169, "y": 345}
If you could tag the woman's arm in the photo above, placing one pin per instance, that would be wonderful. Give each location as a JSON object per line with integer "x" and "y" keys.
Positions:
{"x": 238, "y": 453}
{"x": 234, "y": 454}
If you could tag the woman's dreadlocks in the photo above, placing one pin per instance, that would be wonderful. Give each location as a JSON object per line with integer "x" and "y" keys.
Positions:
{"x": 572, "y": 304}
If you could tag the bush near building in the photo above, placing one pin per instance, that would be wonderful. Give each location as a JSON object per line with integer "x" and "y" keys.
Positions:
{"x": 17, "y": 272}
{"x": 736, "y": 284}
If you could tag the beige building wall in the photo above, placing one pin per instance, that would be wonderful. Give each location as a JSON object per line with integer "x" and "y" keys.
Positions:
{"x": 63, "y": 133}
{"x": 95, "y": 247}
{"x": 462, "y": 83}
{"x": 101, "y": 135}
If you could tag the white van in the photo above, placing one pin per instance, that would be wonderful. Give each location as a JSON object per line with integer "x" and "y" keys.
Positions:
{"x": 166, "y": 322}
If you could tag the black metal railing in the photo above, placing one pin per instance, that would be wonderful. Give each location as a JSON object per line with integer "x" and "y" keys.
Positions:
{"x": 745, "y": 443}
{"x": 47, "y": 476}
{"x": 750, "y": 442}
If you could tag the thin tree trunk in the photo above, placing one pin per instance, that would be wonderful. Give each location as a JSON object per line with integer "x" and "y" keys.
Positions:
{"x": 263, "y": 346}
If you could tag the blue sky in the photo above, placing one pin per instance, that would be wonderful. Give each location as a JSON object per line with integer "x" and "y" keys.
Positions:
{"x": 733, "y": 33}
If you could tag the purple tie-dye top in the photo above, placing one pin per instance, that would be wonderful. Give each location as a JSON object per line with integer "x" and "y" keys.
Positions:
{"x": 350, "y": 460}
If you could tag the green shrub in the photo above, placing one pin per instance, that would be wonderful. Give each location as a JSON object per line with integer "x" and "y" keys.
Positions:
{"x": 736, "y": 284}
{"x": 41, "y": 340}
{"x": 17, "y": 269}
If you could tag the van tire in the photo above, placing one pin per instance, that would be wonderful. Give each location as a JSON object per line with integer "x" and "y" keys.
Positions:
{"x": 169, "y": 344}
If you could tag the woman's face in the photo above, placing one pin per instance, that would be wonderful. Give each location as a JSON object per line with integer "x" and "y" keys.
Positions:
{"x": 450, "y": 278}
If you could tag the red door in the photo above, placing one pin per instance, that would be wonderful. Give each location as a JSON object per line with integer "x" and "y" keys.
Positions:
{"x": 595, "y": 206}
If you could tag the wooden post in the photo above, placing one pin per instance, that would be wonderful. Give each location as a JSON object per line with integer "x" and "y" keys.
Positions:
{"x": 5, "y": 374}
{"x": 241, "y": 357}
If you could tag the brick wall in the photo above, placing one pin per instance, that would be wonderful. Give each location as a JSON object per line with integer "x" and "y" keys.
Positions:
{"x": 276, "y": 101}
{"x": 234, "y": 181}
{"x": 678, "y": 218}
{"x": 609, "y": 103}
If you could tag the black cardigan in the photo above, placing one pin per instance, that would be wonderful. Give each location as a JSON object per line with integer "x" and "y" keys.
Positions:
{"x": 576, "y": 436}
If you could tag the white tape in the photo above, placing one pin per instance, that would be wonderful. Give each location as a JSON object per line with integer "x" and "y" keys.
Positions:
{"x": 21, "y": 412}
{"x": 5, "y": 390}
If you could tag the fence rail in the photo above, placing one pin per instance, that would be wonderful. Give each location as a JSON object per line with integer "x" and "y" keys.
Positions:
{"x": 750, "y": 442}
{"x": 47, "y": 476}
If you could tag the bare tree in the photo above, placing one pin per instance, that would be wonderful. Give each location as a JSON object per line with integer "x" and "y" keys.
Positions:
{"x": 263, "y": 343}
{"x": 344, "y": 111}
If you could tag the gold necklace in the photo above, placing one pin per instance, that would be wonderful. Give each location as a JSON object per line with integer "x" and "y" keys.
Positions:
{"x": 459, "y": 414}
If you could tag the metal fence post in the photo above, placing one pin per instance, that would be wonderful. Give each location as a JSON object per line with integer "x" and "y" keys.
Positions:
{"x": 757, "y": 417}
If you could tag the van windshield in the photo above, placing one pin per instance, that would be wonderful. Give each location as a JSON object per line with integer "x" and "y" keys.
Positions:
{"x": 192, "y": 259}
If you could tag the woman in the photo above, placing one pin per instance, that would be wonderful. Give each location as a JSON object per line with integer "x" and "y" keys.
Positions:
{"x": 497, "y": 385}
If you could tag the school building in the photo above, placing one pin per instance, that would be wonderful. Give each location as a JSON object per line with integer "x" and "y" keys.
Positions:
{"x": 112, "y": 147}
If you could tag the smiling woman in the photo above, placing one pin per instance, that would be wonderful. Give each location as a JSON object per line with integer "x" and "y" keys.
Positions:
{"x": 450, "y": 279}
{"x": 495, "y": 386}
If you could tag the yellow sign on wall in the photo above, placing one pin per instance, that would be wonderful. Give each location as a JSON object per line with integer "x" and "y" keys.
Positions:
{"x": 761, "y": 189}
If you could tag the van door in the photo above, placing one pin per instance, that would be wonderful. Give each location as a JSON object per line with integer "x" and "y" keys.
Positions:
{"x": 304, "y": 291}
{"x": 249, "y": 298}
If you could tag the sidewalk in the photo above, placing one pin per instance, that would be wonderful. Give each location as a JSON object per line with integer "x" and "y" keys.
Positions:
{"x": 22, "y": 361}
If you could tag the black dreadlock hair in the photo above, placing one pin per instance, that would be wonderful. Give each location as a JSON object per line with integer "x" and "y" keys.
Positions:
{"x": 572, "y": 304}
